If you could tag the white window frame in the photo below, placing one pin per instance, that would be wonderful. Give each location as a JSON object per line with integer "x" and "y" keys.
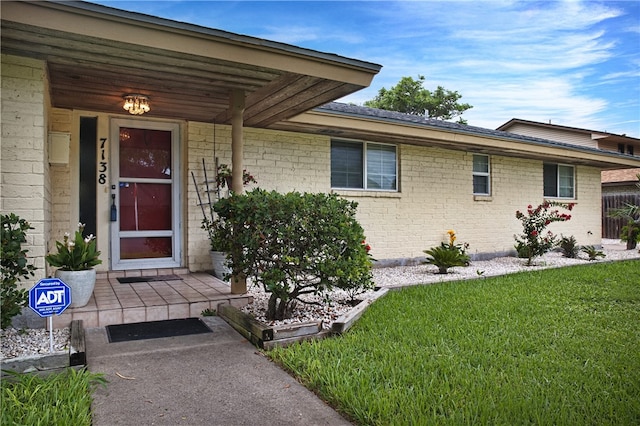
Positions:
{"x": 365, "y": 145}
{"x": 486, "y": 174}
{"x": 573, "y": 181}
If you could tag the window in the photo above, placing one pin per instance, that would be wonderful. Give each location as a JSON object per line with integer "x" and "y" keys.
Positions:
{"x": 559, "y": 181}
{"x": 621, "y": 148}
{"x": 481, "y": 175}
{"x": 363, "y": 165}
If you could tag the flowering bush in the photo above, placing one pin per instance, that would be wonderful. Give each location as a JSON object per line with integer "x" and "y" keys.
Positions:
{"x": 448, "y": 255}
{"x": 77, "y": 254}
{"x": 534, "y": 241}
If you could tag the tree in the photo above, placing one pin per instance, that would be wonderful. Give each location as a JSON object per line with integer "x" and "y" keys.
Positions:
{"x": 410, "y": 97}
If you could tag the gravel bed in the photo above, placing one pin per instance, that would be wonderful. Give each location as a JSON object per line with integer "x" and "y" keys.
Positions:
{"x": 424, "y": 274}
{"x": 32, "y": 341}
{"x": 18, "y": 343}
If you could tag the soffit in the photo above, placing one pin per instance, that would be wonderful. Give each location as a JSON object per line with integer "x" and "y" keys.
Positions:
{"x": 364, "y": 128}
{"x": 94, "y": 58}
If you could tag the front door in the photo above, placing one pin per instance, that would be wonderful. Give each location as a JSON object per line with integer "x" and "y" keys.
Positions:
{"x": 145, "y": 214}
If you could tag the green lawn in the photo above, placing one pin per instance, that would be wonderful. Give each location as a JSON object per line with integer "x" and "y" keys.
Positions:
{"x": 57, "y": 399}
{"x": 552, "y": 347}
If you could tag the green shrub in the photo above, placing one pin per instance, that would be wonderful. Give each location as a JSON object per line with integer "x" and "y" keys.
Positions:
{"x": 592, "y": 252}
{"x": 14, "y": 267}
{"x": 569, "y": 246}
{"x": 293, "y": 244}
{"x": 447, "y": 256}
{"x": 630, "y": 232}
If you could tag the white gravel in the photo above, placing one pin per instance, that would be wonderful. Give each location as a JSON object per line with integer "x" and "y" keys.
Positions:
{"x": 426, "y": 274}
{"x": 18, "y": 343}
{"x": 32, "y": 341}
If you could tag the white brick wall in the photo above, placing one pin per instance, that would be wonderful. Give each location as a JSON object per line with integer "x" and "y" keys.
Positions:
{"x": 435, "y": 193}
{"x": 435, "y": 184}
{"x": 24, "y": 175}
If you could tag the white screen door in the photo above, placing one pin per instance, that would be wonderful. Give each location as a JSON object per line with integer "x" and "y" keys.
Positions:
{"x": 145, "y": 181}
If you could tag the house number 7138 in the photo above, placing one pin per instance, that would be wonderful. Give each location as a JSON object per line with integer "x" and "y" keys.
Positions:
{"x": 102, "y": 177}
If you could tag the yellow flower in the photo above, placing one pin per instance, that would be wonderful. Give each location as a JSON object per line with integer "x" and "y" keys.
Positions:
{"x": 452, "y": 236}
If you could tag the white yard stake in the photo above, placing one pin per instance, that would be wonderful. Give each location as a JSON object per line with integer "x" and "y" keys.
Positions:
{"x": 51, "y": 334}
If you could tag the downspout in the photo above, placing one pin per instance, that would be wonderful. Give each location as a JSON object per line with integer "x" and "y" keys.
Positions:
{"x": 238, "y": 282}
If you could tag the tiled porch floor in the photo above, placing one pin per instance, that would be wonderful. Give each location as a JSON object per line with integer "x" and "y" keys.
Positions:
{"x": 115, "y": 303}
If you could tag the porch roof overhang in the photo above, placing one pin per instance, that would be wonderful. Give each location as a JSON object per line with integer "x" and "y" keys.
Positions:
{"x": 96, "y": 54}
{"x": 354, "y": 122}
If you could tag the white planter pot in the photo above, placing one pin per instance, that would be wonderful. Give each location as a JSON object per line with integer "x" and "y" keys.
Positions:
{"x": 219, "y": 260}
{"x": 81, "y": 284}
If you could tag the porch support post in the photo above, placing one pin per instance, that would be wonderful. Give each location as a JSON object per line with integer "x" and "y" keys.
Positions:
{"x": 238, "y": 282}
{"x": 237, "y": 143}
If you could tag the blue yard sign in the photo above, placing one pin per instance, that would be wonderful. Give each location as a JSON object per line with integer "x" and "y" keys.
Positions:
{"x": 49, "y": 296}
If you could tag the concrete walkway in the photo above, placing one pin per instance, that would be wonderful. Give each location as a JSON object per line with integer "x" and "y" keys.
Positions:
{"x": 217, "y": 378}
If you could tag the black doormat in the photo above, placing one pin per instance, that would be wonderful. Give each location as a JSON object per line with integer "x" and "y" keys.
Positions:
{"x": 131, "y": 280}
{"x": 155, "y": 329}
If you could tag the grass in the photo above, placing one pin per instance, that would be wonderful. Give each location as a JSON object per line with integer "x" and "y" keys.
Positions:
{"x": 57, "y": 399}
{"x": 551, "y": 347}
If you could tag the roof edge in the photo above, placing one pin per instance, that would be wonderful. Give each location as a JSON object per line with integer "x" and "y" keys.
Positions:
{"x": 362, "y": 112}
{"x": 107, "y": 12}
{"x": 559, "y": 126}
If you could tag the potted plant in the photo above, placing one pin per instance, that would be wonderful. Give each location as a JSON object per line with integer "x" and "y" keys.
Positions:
{"x": 223, "y": 177}
{"x": 210, "y": 219}
{"x": 75, "y": 259}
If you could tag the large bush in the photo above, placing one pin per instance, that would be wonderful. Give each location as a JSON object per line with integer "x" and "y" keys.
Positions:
{"x": 14, "y": 267}
{"x": 533, "y": 241}
{"x": 293, "y": 244}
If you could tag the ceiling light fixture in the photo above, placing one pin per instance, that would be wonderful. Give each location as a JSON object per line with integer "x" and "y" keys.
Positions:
{"x": 136, "y": 104}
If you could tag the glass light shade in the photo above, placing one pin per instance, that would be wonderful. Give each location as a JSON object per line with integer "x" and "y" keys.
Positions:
{"x": 136, "y": 104}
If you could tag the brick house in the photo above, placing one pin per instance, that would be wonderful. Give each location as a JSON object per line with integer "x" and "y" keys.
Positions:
{"x": 618, "y": 186}
{"x": 70, "y": 151}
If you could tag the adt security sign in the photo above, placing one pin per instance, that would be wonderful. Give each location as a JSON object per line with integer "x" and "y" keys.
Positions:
{"x": 49, "y": 296}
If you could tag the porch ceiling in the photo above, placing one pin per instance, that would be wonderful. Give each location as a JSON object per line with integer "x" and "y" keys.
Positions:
{"x": 95, "y": 55}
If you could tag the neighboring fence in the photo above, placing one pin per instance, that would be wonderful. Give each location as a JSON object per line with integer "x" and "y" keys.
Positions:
{"x": 611, "y": 226}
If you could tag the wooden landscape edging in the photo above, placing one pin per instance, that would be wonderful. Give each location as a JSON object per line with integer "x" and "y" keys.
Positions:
{"x": 268, "y": 337}
{"x": 48, "y": 363}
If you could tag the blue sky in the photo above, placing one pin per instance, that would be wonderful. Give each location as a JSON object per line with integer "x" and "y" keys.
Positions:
{"x": 574, "y": 63}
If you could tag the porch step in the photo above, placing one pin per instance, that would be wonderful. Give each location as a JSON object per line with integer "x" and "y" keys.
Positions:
{"x": 115, "y": 303}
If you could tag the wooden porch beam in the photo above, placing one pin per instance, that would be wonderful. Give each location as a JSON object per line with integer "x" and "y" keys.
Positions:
{"x": 237, "y": 101}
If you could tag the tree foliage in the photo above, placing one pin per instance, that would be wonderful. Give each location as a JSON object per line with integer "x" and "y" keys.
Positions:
{"x": 293, "y": 244}
{"x": 410, "y": 97}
